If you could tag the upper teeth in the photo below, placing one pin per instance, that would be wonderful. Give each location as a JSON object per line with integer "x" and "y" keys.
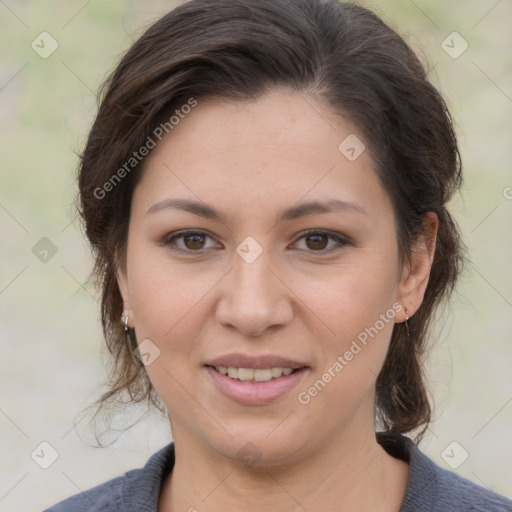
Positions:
{"x": 256, "y": 374}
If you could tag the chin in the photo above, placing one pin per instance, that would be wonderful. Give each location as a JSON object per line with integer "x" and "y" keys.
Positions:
{"x": 257, "y": 448}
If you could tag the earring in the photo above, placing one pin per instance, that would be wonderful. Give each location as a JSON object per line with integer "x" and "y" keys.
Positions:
{"x": 125, "y": 321}
{"x": 407, "y": 321}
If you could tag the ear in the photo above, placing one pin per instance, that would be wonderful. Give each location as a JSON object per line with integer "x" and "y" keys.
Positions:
{"x": 122, "y": 283}
{"x": 416, "y": 273}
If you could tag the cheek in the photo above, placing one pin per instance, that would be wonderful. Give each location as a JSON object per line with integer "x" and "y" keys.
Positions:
{"x": 343, "y": 386}
{"x": 168, "y": 306}
{"x": 356, "y": 309}
{"x": 162, "y": 295}
{"x": 351, "y": 298}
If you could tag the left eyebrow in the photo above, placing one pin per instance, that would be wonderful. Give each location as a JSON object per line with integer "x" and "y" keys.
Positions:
{"x": 292, "y": 213}
{"x": 316, "y": 207}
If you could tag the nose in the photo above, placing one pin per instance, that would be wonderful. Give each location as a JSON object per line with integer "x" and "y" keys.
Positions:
{"x": 254, "y": 298}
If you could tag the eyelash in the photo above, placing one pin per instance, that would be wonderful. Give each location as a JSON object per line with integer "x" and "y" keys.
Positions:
{"x": 341, "y": 241}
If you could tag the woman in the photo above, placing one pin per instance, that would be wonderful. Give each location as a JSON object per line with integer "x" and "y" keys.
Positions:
{"x": 265, "y": 187}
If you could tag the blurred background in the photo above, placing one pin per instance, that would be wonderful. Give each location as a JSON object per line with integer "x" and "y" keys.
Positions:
{"x": 54, "y": 55}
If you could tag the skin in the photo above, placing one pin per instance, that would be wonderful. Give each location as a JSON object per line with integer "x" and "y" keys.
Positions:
{"x": 250, "y": 160}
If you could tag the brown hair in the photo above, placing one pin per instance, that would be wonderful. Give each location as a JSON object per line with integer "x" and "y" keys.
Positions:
{"x": 340, "y": 53}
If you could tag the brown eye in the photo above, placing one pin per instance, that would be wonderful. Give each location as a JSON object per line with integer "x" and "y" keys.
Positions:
{"x": 318, "y": 241}
{"x": 189, "y": 241}
{"x": 193, "y": 242}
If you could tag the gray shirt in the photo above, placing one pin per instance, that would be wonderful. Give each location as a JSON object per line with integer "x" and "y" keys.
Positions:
{"x": 430, "y": 488}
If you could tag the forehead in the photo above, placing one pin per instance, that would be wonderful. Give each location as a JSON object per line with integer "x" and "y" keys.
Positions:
{"x": 280, "y": 120}
{"x": 283, "y": 146}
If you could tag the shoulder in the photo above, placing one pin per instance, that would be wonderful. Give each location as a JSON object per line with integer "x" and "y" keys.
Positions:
{"x": 137, "y": 490}
{"x": 106, "y": 496}
{"x": 434, "y": 489}
{"x": 457, "y": 493}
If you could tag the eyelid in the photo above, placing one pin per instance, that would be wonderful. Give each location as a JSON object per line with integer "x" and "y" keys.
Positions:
{"x": 341, "y": 240}
{"x": 169, "y": 239}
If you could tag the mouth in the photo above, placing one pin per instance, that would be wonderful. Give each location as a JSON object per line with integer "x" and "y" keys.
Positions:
{"x": 255, "y": 380}
{"x": 255, "y": 374}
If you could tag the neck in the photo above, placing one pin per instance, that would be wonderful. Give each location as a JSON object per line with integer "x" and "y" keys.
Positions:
{"x": 342, "y": 476}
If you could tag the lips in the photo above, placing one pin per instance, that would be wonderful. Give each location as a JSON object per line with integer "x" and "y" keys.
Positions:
{"x": 255, "y": 380}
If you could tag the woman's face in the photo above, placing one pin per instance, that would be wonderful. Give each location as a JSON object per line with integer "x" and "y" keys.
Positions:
{"x": 248, "y": 289}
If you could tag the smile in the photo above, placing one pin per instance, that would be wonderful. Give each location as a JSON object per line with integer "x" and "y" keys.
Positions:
{"x": 254, "y": 374}
{"x": 255, "y": 386}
